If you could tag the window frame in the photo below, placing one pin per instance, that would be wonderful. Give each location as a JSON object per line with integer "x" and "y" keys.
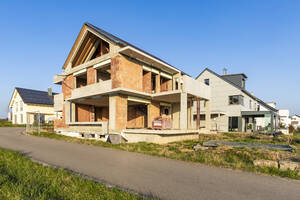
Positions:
{"x": 239, "y": 100}
{"x": 207, "y": 81}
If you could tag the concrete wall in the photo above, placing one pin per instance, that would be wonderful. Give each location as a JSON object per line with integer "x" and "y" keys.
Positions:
{"x": 195, "y": 87}
{"x": 58, "y": 102}
{"x": 93, "y": 89}
{"x": 176, "y": 115}
{"x": 160, "y": 139}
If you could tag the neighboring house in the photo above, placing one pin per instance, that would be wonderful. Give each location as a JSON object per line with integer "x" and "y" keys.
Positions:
{"x": 295, "y": 121}
{"x": 233, "y": 108}
{"x": 111, "y": 86}
{"x": 284, "y": 116}
{"x": 9, "y": 117}
{"x": 26, "y": 105}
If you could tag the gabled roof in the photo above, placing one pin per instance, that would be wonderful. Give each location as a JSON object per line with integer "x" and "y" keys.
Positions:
{"x": 240, "y": 88}
{"x": 30, "y": 96}
{"x": 120, "y": 42}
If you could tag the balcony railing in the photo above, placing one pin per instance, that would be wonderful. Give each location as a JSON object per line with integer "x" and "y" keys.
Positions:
{"x": 93, "y": 89}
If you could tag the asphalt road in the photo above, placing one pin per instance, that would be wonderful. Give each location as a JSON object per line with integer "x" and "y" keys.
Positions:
{"x": 160, "y": 177}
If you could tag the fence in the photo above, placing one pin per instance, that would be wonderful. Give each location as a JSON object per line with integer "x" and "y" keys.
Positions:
{"x": 40, "y": 127}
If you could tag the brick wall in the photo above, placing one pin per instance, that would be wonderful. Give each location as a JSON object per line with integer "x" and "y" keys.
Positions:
{"x": 147, "y": 82}
{"x": 68, "y": 85}
{"x": 91, "y": 75}
{"x": 136, "y": 117}
{"x": 82, "y": 113}
{"x": 153, "y": 112}
{"x": 126, "y": 73}
{"x": 102, "y": 114}
{"x": 121, "y": 112}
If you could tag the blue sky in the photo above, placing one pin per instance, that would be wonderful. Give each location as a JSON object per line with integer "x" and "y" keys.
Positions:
{"x": 258, "y": 38}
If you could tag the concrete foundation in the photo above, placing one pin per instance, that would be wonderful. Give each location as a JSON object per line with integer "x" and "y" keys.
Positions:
{"x": 160, "y": 137}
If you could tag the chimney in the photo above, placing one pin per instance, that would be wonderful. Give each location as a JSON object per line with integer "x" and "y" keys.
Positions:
{"x": 49, "y": 91}
{"x": 224, "y": 71}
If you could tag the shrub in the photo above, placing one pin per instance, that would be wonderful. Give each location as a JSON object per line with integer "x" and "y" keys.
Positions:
{"x": 291, "y": 129}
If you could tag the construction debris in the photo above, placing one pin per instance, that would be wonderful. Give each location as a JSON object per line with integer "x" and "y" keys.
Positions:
{"x": 199, "y": 147}
{"x": 288, "y": 165}
{"x": 282, "y": 165}
{"x": 266, "y": 163}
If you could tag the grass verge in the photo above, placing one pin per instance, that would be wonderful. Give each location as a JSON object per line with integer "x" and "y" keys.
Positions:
{"x": 226, "y": 157}
{"x": 20, "y": 178}
{"x": 5, "y": 123}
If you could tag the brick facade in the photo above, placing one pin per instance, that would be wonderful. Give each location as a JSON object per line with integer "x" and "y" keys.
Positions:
{"x": 121, "y": 112}
{"x": 126, "y": 73}
{"x": 91, "y": 76}
{"x": 153, "y": 112}
{"x": 147, "y": 82}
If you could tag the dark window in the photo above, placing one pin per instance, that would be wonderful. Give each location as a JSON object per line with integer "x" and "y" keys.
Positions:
{"x": 153, "y": 82}
{"x": 236, "y": 100}
{"x": 206, "y": 81}
{"x": 233, "y": 123}
{"x": 176, "y": 84}
{"x": 165, "y": 110}
{"x": 81, "y": 80}
{"x": 39, "y": 118}
{"x": 103, "y": 74}
{"x": 202, "y": 117}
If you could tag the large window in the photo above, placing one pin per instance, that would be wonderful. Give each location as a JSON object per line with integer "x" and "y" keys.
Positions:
{"x": 236, "y": 100}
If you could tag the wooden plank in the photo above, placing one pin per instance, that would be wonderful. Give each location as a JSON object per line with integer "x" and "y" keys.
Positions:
{"x": 83, "y": 52}
{"x": 76, "y": 43}
{"x": 78, "y": 56}
{"x": 89, "y": 48}
{"x": 92, "y": 51}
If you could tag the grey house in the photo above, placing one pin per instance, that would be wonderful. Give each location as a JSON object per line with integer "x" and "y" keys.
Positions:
{"x": 233, "y": 108}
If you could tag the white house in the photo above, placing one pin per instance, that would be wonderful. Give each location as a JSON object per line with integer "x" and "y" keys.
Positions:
{"x": 284, "y": 116}
{"x": 295, "y": 121}
{"x": 26, "y": 105}
{"x": 233, "y": 108}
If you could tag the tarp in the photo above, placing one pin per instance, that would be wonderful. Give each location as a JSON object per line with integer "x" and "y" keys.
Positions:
{"x": 213, "y": 143}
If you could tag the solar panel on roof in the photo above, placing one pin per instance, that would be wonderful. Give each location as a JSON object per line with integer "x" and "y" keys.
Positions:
{"x": 35, "y": 96}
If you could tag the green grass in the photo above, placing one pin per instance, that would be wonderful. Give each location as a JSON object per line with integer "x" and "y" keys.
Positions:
{"x": 227, "y": 157}
{"x": 20, "y": 178}
{"x": 5, "y": 123}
